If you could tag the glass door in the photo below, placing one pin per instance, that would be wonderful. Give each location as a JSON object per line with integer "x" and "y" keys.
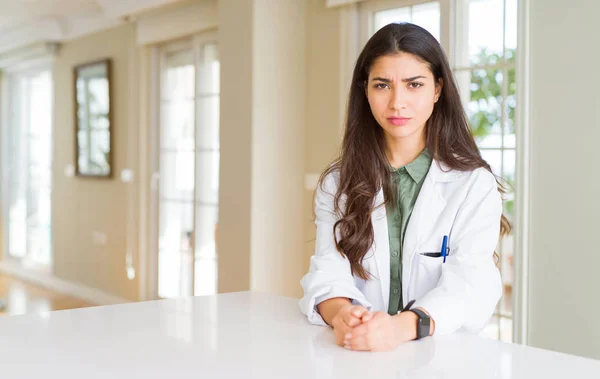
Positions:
{"x": 27, "y": 168}
{"x": 188, "y": 155}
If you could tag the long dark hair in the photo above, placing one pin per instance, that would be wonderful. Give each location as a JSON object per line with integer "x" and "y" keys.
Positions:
{"x": 362, "y": 165}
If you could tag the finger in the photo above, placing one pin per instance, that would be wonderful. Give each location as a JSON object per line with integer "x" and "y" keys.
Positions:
{"x": 359, "y": 344}
{"x": 339, "y": 339}
{"x": 340, "y": 333}
{"x": 367, "y": 316}
{"x": 352, "y": 321}
{"x": 372, "y": 324}
{"x": 358, "y": 311}
{"x": 352, "y": 318}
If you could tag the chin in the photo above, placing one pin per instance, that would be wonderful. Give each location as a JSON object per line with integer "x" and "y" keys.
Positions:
{"x": 397, "y": 132}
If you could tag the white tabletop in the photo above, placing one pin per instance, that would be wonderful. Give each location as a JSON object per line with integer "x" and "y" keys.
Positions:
{"x": 245, "y": 335}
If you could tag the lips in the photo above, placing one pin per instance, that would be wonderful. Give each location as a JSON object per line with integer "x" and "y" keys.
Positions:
{"x": 398, "y": 120}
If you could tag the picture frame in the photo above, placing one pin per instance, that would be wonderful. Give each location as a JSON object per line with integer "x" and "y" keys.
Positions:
{"x": 93, "y": 108}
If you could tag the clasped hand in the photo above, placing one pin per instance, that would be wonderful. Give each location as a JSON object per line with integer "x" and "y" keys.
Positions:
{"x": 357, "y": 328}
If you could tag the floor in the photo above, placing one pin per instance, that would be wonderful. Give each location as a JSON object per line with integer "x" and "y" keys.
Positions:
{"x": 20, "y": 297}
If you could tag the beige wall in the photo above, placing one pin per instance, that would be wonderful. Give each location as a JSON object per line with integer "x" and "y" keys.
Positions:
{"x": 235, "y": 182}
{"x": 82, "y": 207}
{"x": 3, "y": 122}
{"x": 263, "y": 118}
{"x": 565, "y": 130}
{"x": 279, "y": 98}
{"x": 323, "y": 121}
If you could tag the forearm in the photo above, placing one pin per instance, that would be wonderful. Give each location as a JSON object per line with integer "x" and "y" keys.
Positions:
{"x": 329, "y": 308}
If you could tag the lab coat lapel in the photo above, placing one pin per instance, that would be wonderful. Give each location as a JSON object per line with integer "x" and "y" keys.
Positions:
{"x": 382, "y": 247}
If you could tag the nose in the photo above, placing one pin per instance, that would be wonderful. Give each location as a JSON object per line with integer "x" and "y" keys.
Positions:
{"x": 399, "y": 99}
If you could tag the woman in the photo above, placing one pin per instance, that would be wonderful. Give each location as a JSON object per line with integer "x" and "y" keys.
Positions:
{"x": 409, "y": 216}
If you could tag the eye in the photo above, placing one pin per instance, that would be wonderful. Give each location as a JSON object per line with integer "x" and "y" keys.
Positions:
{"x": 381, "y": 86}
{"x": 415, "y": 85}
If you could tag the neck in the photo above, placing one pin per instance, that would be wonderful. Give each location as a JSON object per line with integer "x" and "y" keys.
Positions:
{"x": 402, "y": 151}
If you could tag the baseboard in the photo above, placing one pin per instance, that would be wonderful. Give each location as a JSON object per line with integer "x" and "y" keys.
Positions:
{"x": 91, "y": 295}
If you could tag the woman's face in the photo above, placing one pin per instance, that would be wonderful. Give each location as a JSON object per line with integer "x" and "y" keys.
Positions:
{"x": 402, "y": 92}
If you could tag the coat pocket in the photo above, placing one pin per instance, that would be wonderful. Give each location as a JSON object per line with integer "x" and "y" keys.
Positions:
{"x": 427, "y": 274}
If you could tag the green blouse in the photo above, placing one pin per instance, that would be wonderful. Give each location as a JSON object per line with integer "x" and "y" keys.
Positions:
{"x": 407, "y": 180}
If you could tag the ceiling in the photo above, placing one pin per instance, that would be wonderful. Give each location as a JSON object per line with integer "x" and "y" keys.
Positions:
{"x": 14, "y": 14}
{"x": 24, "y": 22}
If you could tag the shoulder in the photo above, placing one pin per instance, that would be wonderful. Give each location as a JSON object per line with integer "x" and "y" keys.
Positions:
{"x": 328, "y": 184}
{"x": 325, "y": 192}
{"x": 461, "y": 185}
{"x": 481, "y": 185}
{"x": 479, "y": 177}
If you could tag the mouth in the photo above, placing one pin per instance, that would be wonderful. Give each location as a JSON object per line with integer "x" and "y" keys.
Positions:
{"x": 398, "y": 120}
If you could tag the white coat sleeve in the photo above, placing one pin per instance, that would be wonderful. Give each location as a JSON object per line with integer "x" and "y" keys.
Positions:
{"x": 470, "y": 286}
{"x": 329, "y": 274}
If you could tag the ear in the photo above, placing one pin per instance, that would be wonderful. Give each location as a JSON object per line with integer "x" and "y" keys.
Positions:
{"x": 438, "y": 89}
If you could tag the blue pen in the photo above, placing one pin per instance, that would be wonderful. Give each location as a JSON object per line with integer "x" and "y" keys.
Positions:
{"x": 444, "y": 245}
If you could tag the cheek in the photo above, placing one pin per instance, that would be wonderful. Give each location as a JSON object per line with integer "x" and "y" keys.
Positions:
{"x": 424, "y": 106}
{"x": 378, "y": 104}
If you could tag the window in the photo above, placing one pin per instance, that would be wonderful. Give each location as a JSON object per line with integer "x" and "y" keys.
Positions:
{"x": 484, "y": 35}
{"x": 484, "y": 66}
{"x": 426, "y": 15}
{"x": 188, "y": 150}
{"x": 431, "y": 15}
{"x": 26, "y": 165}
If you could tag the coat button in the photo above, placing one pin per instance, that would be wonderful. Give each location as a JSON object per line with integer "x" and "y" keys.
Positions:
{"x": 394, "y": 253}
{"x": 395, "y": 291}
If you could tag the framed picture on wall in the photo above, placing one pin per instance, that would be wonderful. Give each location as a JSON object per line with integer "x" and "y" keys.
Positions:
{"x": 93, "y": 119}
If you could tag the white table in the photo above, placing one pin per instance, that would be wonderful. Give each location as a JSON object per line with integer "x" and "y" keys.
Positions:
{"x": 245, "y": 335}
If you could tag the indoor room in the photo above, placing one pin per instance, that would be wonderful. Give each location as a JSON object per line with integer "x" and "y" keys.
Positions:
{"x": 163, "y": 202}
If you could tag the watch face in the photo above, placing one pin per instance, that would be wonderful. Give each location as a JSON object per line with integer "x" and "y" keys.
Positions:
{"x": 423, "y": 323}
{"x": 423, "y": 327}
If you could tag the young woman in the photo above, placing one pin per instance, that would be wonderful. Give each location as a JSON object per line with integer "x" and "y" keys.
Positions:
{"x": 409, "y": 216}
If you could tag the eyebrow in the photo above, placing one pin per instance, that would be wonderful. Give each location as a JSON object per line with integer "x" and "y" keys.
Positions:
{"x": 406, "y": 80}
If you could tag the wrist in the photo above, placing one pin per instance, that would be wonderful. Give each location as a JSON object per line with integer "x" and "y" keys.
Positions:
{"x": 406, "y": 326}
{"x": 330, "y": 308}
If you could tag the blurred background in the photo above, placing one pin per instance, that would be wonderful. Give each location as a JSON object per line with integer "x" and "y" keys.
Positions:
{"x": 162, "y": 148}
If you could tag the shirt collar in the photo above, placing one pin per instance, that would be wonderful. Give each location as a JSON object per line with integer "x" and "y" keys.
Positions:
{"x": 418, "y": 168}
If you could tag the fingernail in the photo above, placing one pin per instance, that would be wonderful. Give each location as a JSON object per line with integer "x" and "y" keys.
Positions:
{"x": 347, "y": 347}
{"x": 348, "y": 336}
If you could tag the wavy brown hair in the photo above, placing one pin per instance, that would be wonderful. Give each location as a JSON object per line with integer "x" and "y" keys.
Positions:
{"x": 363, "y": 166}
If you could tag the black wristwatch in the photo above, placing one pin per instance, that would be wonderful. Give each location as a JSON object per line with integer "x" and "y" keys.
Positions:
{"x": 423, "y": 323}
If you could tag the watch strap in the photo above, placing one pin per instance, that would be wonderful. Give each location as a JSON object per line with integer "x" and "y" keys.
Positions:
{"x": 423, "y": 323}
